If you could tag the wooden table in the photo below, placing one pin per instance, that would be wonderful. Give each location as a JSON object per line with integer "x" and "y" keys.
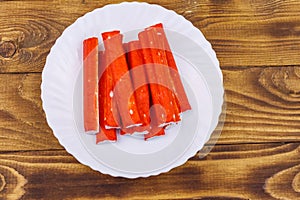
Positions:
{"x": 257, "y": 155}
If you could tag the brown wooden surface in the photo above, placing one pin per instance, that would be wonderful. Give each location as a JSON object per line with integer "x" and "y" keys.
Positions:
{"x": 258, "y": 153}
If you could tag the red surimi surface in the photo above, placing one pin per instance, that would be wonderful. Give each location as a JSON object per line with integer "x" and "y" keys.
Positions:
{"x": 90, "y": 85}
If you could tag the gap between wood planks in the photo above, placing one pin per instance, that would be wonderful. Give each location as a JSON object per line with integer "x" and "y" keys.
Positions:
{"x": 206, "y": 145}
{"x": 28, "y": 151}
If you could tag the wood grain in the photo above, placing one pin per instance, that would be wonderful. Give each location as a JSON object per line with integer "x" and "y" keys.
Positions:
{"x": 253, "y": 33}
{"x": 263, "y": 105}
{"x": 228, "y": 172}
{"x": 22, "y": 120}
{"x": 249, "y": 33}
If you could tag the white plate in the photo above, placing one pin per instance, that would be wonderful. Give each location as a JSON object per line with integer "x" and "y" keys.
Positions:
{"x": 132, "y": 157}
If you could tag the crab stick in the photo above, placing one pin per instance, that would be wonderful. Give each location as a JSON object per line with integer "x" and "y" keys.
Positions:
{"x": 109, "y": 114}
{"x": 90, "y": 85}
{"x": 151, "y": 76}
{"x": 106, "y": 135}
{"x": 160, "y": 58}
{"x": 179, "y": 89}
{"x": 140, "y": 83}
{"x": 165, "y": 97}
{"x": 122, "y": 85}
{"x": 154, "y": 131}
{"x": 135, "y": 130}
{"x": 106, "y": 108}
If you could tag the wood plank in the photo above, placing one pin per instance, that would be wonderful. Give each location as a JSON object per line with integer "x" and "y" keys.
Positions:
{"x": 228, "y": 172}
{"x": 22, "y": 120}
{"x": 263, "y": 107}
{"x": 243, "y": 33}
{"x": 249, "y": 33}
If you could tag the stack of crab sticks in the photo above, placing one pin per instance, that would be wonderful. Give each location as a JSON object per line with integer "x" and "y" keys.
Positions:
{"x": 131, "y": 88}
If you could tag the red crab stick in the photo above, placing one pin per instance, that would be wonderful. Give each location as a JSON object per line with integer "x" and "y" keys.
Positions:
{"x": 109, "y": 117}
{"x": 160, "y": 57}
{"x": 166, "y": 99}
{"x": 135, "y": 130}
{"x": 90, "y": 85}
{"x": 141, "y": 90}
{"x": 106, "y": 135}
{"x": 105, "y": 106}
{"x": 150, "y": 131}
{"x": 179, "y": 89}
{"x": 154, "y": 131}
{"x": 160, "y": 118}
{"x": 122, "y": 82}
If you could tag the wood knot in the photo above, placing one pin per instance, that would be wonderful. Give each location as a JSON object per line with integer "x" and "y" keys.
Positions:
{"x": 7, "y": 49}
{"x": 287, "y": 80}
{"x": 296, "y": 183}
{"x": 13, "y": 186}
{"x": 2, "y": 182}
{"x": 284, "y": 183}
{"x": 282, "y": 82}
